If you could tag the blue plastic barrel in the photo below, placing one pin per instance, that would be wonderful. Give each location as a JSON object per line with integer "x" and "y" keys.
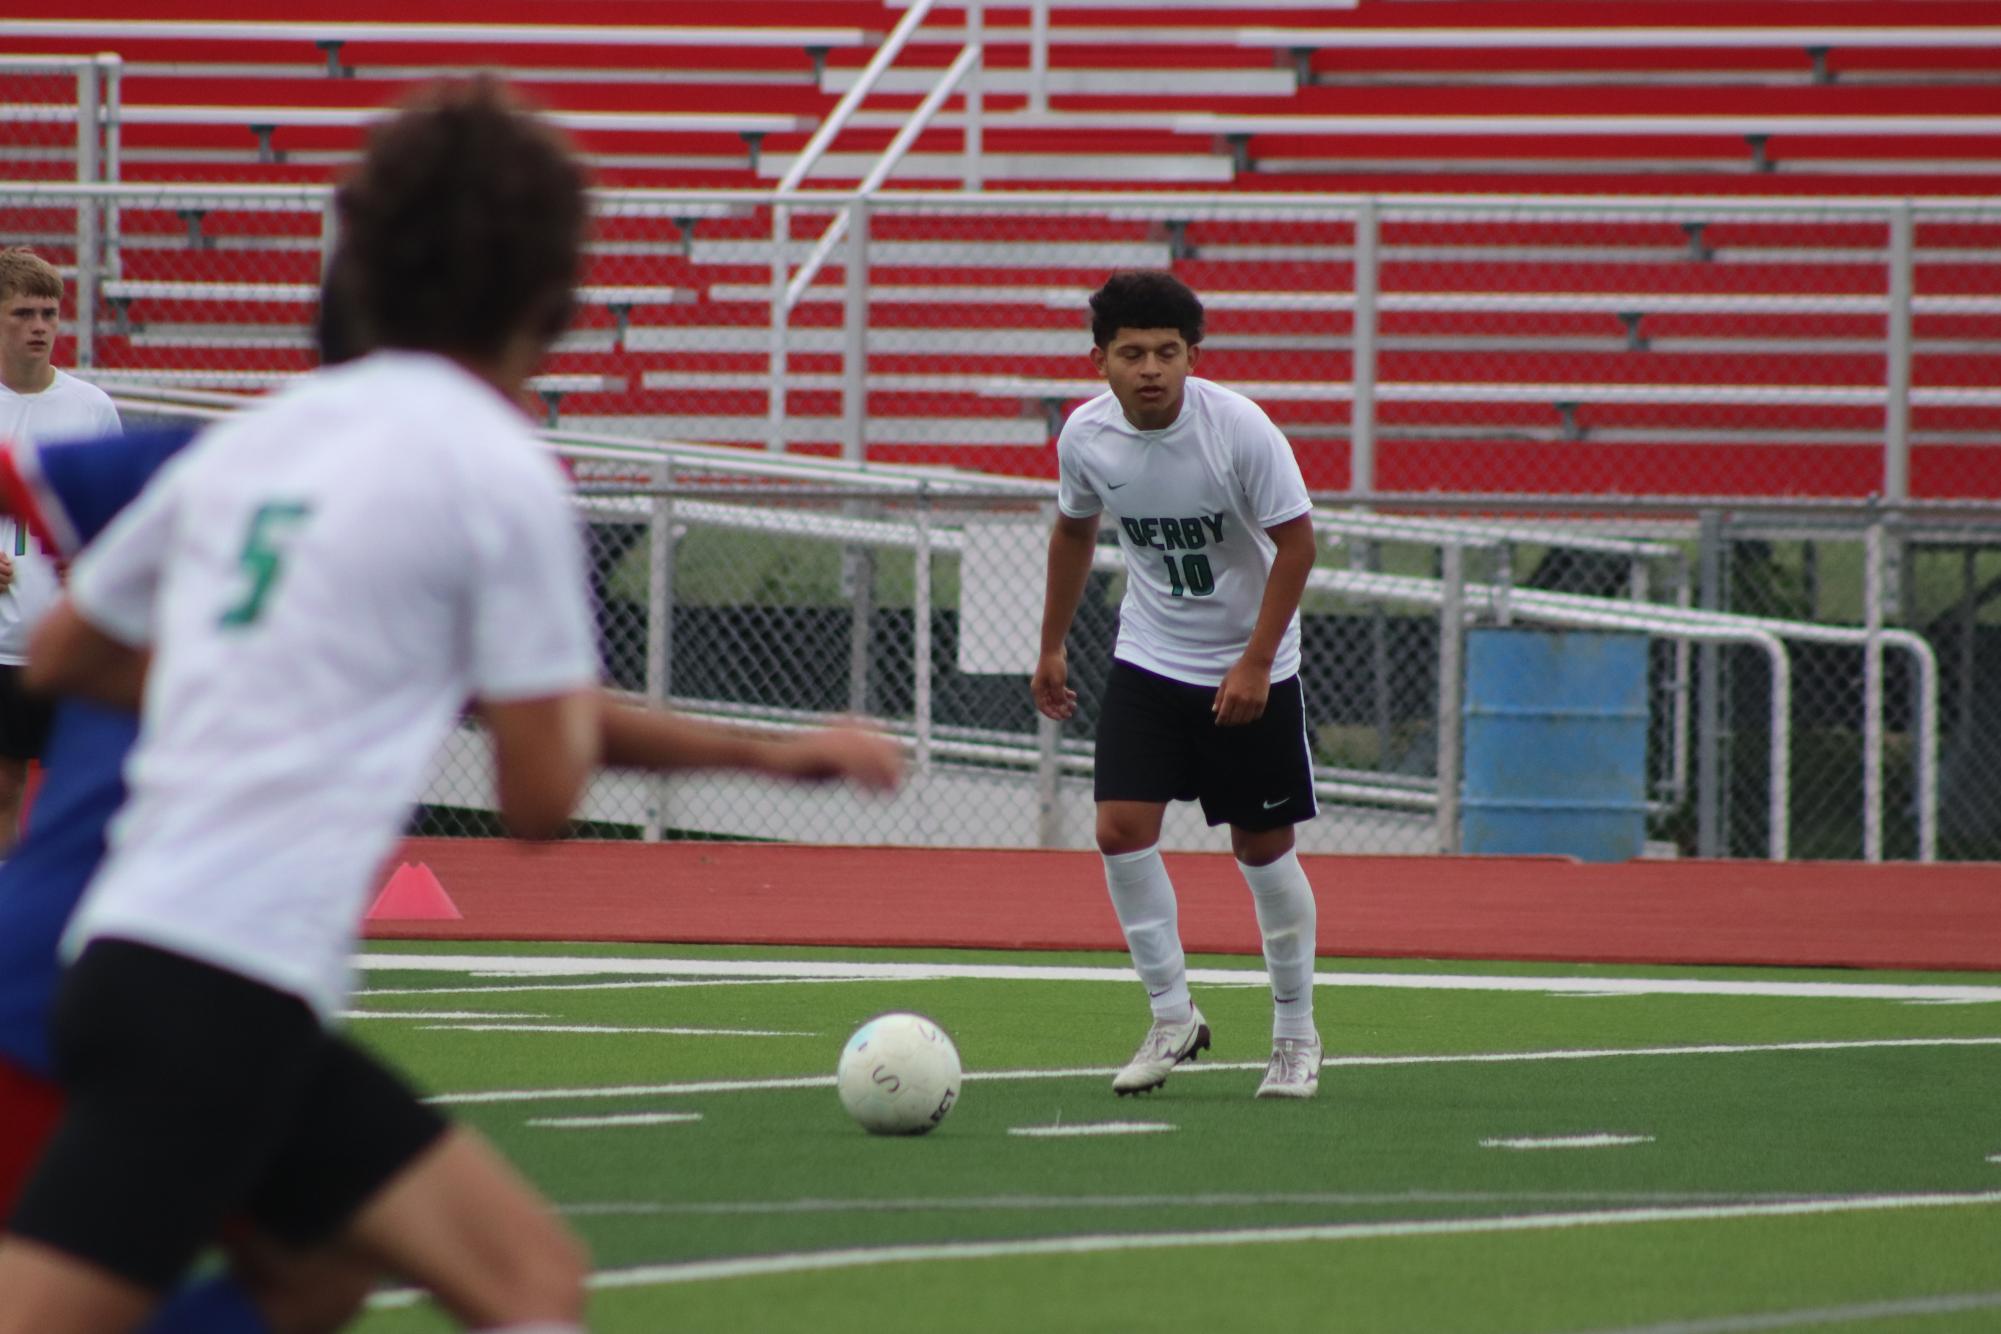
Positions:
{"x": 1555, "y": 743}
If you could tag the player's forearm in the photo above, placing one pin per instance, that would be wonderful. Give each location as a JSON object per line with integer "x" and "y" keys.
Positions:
{"x": 1070, "y": 559}
{"x": 641, "y": 738}
{"x": 1285, "y": 585}
{"x": 67, "y": 655}
{"x": 544, "y": 750}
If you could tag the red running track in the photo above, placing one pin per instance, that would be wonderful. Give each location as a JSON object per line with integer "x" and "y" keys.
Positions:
{"x": 1724, "y": 912}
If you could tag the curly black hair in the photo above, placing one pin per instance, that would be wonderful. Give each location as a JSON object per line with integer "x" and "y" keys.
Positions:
{"x": 1145, "y": 299}
{"x": 463, "y": 224}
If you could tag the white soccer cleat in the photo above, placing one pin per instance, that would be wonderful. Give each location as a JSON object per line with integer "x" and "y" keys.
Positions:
{"x": 1167, "y": 1045}
{"x": 1294, "y": 1071}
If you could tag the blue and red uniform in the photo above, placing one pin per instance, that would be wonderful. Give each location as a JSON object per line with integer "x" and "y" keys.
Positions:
{"x": 66, "y": 494}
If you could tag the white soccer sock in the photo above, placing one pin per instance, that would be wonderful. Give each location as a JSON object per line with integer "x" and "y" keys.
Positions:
{"x": 1143, "y": 897}
{"x": 1287, "y": 918}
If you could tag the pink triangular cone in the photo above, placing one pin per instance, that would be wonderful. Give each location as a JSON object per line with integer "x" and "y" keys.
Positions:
{"x": 413, "y": 894}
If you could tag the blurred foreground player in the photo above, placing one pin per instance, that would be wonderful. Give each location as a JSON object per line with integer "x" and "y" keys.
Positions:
{"x": 68, "y": 493}
{"x": 324, "y": 580}
{"x": 629, "y": 735}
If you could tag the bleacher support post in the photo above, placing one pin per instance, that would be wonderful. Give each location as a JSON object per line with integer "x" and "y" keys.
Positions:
{"x": 112, "y": 69}
{"x": 1451, "y": 670}
{"x": 1897, "y": 358}
{"x": 854, "y": 335}
{"x": 660, "y": 550}
{"x": 1889, "y": 567}
{"x": 974, "y": 145}
{"x": 1048, "y": 775}
{"x": 1038, "y": 56}
{"x": 1362, "y": 408}
{"x": 921, "y": 701}
{"x": 1709, "y": 834}
{"x": 781, "y": 240}
{"x": 1872, "y": 694}
{"x": 89, "y": 129}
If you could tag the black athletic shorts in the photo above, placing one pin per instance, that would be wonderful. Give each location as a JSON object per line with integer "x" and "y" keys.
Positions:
{"x": 24, "y": 717}
{"x": 197, "y": 1096}
{"x": 1158, "y": 741}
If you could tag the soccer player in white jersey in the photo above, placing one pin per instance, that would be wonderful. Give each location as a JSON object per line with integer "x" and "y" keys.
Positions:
{"x": 324, "y": 581}
{"x": 39, "y": 404}
{"x": 1203, "y": 702}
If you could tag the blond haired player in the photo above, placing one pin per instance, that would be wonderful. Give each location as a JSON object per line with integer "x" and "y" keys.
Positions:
{"x": 39, "y": 404}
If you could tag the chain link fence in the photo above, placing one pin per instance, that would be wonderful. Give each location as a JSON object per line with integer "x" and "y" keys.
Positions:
{"x": 1448, "y": 358}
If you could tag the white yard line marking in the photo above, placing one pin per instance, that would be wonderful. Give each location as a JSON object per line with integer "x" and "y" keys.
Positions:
{"x": 625, "y": 1119}
{"x": 1037, "y": 1203}
{"x": 633, "y": 985}
{"x": 758, "y": 1266}
{"x": 1821, "y": 1315}
{"x": 1092, "y": 1128}
{"x": 547, "y": 966}
{"x": 438, "y": 1014}
{"x": 1206, "y": 1067}
{"x": 608, "y": 1028}
{"x": 1598, "y": 1141}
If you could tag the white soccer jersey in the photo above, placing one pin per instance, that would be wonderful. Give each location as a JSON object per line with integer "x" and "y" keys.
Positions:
{"x": 326, "y": 580}
{"x": 1191, "y": 503}
{"x": 69, "y": 409}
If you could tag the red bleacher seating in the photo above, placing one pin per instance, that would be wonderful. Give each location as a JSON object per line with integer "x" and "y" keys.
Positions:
{"x": 691, "y": 366}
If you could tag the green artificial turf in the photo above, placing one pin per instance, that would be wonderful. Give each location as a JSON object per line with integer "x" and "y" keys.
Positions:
{"x": 1395, "y": 1141}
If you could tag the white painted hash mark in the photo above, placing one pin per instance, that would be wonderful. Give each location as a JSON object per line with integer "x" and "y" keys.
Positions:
{"x": 1092, "y": 1128}
{"x": 622, "y": 1119}
{"x": 435, "y": 1015}
{"x": 1598, "y": 1141}
{"x": 1824, "y": 1315}
{"x": 608, "y": 1028}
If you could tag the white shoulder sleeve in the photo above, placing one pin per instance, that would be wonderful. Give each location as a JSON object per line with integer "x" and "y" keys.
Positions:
{"x": 1266, "y": 467}
{"x": 532, "y": 629}
{"x": 115, "y": 583}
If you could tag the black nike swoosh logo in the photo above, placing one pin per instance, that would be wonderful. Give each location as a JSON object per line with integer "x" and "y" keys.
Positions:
{"x": 1156, "y": 995}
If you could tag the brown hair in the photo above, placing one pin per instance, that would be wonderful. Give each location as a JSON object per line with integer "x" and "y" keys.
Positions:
{"x": 463, "y": 224}
{"x": 25, "y": 273}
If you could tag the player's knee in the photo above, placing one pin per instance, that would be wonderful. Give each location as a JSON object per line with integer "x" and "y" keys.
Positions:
{"x": 315, "y": 1310}
{"x": 1261, "y": 847}
{"x": 1119, "y": 834}
{"x": 311, "y": 1291}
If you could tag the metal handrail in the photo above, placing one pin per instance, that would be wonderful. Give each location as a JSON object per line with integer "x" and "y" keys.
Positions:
{"x": 787, "y": 288}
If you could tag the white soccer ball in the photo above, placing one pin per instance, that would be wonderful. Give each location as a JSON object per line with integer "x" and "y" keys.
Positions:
{"x": 898, "y": 1075}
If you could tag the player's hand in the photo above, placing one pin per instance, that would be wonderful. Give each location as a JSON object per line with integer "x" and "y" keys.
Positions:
{"x": 6, "y": 571}
{"x": 856, "y": 755}
{"x": 1241, "y": 697}
{"x": 1053, "y": 696}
